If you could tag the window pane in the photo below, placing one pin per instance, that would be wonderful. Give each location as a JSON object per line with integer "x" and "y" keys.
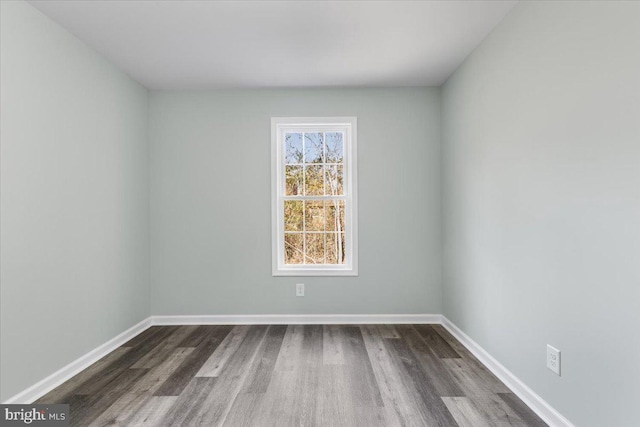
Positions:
{"x": 334, "y": 180}
{"x": 293, "y": 248}
{"x": 294, "y": 180}
{"x": 293, "y": 211}
{"x": 314, "y": 182}
{"x": 293, "y": 148}
{"x": 335, "y": 215}
{"x": 334, "y": 146}
{"x": 313, "y": 148}
{"x": 314, "y": 216}
{"x": 315, "y": 248}
{"x": 335, "y": 248}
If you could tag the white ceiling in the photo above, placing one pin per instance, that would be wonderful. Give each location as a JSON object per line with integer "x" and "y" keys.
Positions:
{"x": 213, "y": 44}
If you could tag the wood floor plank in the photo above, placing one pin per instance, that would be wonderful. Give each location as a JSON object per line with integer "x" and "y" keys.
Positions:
{"x": 291, "y": 348}
{"x": 216, "y": 406}
{"x": 143, "y": 336}
{"x": 214, "y": 365}
{"x": 368, "y": 416}
{"x": 187, "y": 405}
{"x": 153, "y": 413}
{"x": 465, "y": 412}
{"x": 399, "y": 403}
{"x": 292, "y": 395}
{"x": 336, "y": 405}
{"x": 530, "y": 418}
{"x": 101, "y": 381}
{"x": 388, "y": 331}
{"x": 436, "y": 343}
{"x": 200, "y": 334}
{"x": 332, "y": 353}
{"x": 164, "y": 349}
{"x": 283, "y": 405}
{"x": 362, "y": 380}
{"x": 474, "y": 364}
{"x": 156, "y": 377}
{"x": 134, "y": 399}
{"x": 258, "y": 380}
{"x": 306, "y": 391}
{"x": 175, "y": 384}
{"x": 430, "y": 363}
{"x": 246, "y": 405}
{"x": 244, "y": 411}
{"x": 155, "y": 337}
{"x": 428, "y": 402}
{"x": 79, "y": 405}
{"x": 494, "y": 410}
{"x": 312, "y": 347}
{"x": 63, "y": 392}
{"x": 84, "y": 409}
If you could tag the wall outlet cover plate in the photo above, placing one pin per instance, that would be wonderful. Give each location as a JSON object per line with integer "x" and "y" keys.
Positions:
{"x": 553, "y": 359}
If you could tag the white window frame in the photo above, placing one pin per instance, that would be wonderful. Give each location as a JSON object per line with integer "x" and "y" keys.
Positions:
{"x": 348, "y": 125}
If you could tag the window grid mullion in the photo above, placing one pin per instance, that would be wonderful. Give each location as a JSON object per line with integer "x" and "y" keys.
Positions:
{"x": 324, "y": 163}
{"x": 324, "y": 227}
{"x": 316, "y": 198}
{"x": 304, "y": 232}
{"x": 304, "y": 203}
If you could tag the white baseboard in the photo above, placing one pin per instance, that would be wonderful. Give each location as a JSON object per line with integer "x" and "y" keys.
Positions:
{"x": 296, "y": 319}
{"x": 44, "y": 386}
{"x": 520, "y": 389}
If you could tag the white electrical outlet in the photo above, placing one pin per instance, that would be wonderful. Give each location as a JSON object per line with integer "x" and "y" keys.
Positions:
{"x": 299, "y": 289}
{"x": 553, "y": 359}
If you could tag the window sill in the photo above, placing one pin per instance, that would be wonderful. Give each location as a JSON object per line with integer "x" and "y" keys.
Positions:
{"x": 315, "y": 272}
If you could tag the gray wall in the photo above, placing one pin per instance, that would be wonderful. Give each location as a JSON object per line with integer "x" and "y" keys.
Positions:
{"x": 211, "y": 202}
{"x": 541, "y": 148}
{"x": 74, "y": 199}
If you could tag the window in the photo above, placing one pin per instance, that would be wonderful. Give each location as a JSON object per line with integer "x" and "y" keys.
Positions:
{"x": 314, "y": 203}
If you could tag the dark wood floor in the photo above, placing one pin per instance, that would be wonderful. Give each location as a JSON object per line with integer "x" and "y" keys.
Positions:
{"x": 313, "y": 375}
